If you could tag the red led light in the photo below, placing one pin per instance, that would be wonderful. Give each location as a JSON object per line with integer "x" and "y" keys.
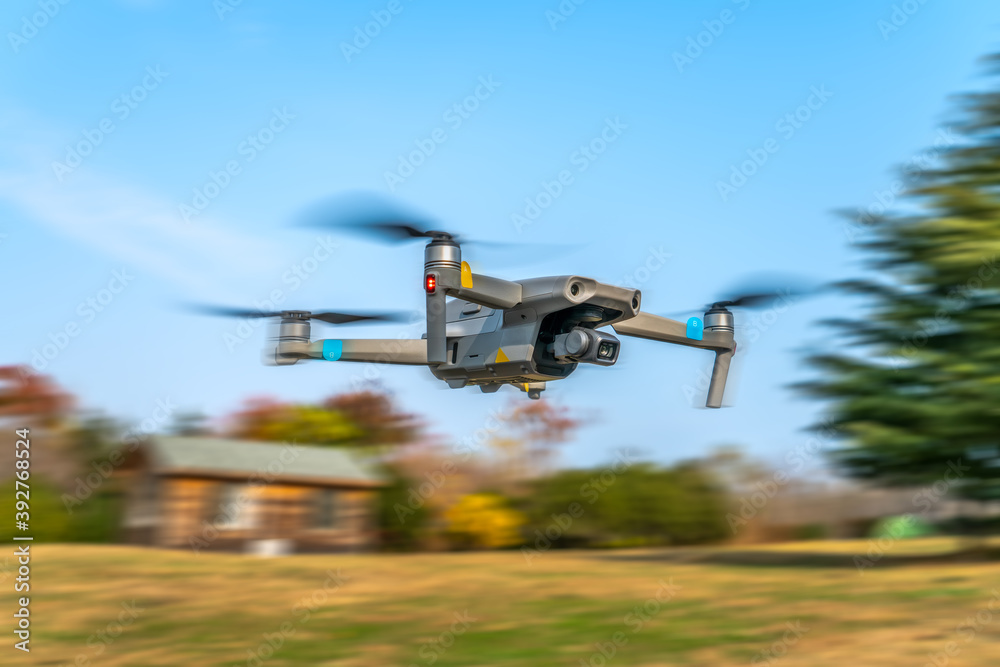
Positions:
{"x": 431, "y": 283}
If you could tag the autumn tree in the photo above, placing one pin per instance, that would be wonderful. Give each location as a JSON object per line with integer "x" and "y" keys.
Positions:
{"x": 527, "y": 442}
{"x": 377, "y": 417}
{"x": 28, "y": 395}
{"x": 366, "y": 418}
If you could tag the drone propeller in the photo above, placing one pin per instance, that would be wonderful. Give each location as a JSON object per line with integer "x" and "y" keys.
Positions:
{"x": 762, "y": 291}
{"x": 378, "y": 218}
{"x": 329, "y": 317}
{"x": 373, "y": 216}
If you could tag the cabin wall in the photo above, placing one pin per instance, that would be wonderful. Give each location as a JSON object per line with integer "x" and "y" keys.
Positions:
{"x": 209, "y": 514}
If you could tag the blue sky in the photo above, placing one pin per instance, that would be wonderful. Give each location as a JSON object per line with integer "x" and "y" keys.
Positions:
{"x": 163, "y": 95}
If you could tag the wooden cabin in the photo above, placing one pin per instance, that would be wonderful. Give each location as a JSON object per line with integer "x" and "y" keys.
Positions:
{"x": 213, "y": 493}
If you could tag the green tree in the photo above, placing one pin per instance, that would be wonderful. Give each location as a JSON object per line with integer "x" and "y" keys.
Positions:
{"x": 916, "y": 391}
{"x": 403, "y": 518}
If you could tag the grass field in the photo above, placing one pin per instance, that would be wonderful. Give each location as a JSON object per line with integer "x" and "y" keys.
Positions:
{"x": 563, "y": 608}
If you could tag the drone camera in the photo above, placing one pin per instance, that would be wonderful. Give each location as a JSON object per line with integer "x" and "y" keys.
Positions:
{"x": 586, "y": 346}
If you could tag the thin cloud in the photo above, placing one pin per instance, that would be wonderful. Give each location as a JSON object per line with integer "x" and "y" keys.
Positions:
{"x": 137, "y": 227}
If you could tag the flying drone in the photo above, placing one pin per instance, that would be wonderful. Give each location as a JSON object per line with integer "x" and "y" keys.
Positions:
{"x": 488, "y": 332}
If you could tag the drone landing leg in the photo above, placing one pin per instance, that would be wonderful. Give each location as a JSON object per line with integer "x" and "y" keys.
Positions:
{"x": 720, "y": 371}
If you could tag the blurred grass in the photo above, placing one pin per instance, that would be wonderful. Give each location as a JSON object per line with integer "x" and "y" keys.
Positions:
{"x": 210, "y": 609}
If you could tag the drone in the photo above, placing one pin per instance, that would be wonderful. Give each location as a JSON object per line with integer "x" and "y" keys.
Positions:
{"x": 487, "y": 332}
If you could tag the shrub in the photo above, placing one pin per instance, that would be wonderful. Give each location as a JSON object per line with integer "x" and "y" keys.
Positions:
{"x": 484, "y": 520}
{"x": 642, "y": 505}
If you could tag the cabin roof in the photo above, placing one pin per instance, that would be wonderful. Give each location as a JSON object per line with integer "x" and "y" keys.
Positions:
{"x": 263, "y": 461}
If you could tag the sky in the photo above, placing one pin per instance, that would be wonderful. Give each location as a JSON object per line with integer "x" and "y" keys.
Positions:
{"x": 157, "y": 153}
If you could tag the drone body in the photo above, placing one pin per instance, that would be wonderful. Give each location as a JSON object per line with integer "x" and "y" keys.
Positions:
{"x": 494, "y": 332}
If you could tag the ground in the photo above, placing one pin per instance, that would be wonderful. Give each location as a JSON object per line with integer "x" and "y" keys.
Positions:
{"x": 94, "y": 605}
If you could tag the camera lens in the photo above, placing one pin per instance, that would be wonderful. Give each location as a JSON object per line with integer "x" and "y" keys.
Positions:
{"x": 606, "y": 350}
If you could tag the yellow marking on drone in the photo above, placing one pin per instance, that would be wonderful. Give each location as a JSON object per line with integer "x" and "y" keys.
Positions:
{"x": 526, "y": 386}
{"x": 501, "y": 357}
{"x": 466, "y": 276}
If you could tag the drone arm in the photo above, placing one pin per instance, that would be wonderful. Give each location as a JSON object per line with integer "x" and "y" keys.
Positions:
{"x": 381, "y": 351}
{"x": 665, "y": 330}
{"x": 654, "y": 327}
{"x": 487, "y": 291}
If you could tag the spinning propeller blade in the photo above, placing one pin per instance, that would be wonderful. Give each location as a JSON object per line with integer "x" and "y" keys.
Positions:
{"x": 330, "y": 317}
{"x": 373, "y": 216}
{"x": 761, "y": 291}
{"x": 378, "y": 218}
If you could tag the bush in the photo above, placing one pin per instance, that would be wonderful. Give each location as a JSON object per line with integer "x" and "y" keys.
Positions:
{"x": 643, "y": 505}
{"x": 484, "y": 520}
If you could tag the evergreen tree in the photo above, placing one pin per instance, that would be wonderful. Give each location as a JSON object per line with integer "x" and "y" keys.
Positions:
{"x": 919, "y": 402}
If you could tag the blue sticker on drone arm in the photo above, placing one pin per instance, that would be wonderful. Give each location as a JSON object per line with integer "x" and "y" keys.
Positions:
{"x": 694, "y": 329}
{"x": 333, "y": 349}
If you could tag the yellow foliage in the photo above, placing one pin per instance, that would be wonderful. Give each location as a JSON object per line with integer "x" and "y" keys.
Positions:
{"x": 483, "y": 520}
